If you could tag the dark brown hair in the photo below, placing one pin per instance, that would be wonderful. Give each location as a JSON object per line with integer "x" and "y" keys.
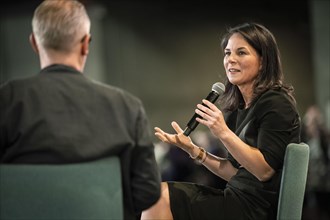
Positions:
{"x": 270, "y": 76}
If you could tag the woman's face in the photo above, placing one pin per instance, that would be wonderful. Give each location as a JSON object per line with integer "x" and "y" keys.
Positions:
{"x": 242, "y": 62}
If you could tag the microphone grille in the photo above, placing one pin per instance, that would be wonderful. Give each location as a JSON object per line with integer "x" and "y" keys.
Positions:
{"x": 218, "y": 87}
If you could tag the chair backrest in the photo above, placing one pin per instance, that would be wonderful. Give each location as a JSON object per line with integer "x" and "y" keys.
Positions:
{"x": 88, "y": 190}
{"x": 293, "y": 182}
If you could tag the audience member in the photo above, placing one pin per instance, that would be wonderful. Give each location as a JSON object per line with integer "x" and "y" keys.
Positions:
{"x": 60, "y": 116}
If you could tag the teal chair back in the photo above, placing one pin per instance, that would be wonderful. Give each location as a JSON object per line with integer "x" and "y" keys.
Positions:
{"x": 80, "y": 191}
{"x": 293, "y": 182}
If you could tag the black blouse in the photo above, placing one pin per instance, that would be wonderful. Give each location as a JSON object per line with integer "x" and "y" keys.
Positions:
{"x": 270, "y": 124}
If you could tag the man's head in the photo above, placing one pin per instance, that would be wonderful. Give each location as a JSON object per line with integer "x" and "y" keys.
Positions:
{"x": 61, "y": 33}
{"x": 60, "y": 24}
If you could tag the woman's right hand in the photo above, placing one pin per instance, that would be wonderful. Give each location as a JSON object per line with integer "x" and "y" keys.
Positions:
{"x": 178, "y": 139}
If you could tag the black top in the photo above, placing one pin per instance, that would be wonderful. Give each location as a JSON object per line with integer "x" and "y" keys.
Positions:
{"x": 60, "y": 116}
{"x": 270, "y": 124}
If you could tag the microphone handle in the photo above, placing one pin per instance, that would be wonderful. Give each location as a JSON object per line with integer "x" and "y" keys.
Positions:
{"x": 192, "y": 124}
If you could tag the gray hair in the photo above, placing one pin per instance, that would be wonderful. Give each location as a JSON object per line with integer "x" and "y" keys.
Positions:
{"x": 60, "y": 24}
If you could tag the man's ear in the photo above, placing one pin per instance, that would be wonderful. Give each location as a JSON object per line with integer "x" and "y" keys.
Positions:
{"x": 34, "y": 43}
{"x": 85, "y": 44}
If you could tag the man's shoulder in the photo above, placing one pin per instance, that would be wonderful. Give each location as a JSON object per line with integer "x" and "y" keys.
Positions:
{"x": 18, "y": 82}
{"x": 115, "y": 91}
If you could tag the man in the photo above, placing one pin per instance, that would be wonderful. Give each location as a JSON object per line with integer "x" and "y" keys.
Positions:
{"x": 60, "y": 116}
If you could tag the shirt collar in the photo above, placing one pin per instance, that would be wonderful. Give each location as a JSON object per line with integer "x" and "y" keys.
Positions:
{"x": 59, "y": 68}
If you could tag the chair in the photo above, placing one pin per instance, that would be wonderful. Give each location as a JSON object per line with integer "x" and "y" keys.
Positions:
{"x": 293, "y": 182}
{"x": 80, "y": 191}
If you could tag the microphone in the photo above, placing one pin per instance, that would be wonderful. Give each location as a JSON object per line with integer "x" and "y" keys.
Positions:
{"x": 217, "y": 90}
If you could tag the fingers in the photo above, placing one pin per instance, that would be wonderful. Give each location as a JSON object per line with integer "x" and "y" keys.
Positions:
{"x": 160, "y": 134}
{"x": 209, "y": 113}
{"x": 160, "y": 137}
{"x": 176, "y": 127}
{"x": 204, "y": 112}
{"x": 210, "y": 105}
{"x": 209, "y": 109}
{"x": 179, "y": 139}
{"x": 165, "y": 137}
{"x": 157, "y": 129}
{"x": 169, "y": 138}
{"x": 203, "y": 116}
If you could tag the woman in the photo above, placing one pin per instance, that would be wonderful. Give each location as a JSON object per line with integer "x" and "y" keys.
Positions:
{"x": 260, "y": 120}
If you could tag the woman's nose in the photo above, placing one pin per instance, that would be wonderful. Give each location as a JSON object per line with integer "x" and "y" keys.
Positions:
{"x": 231, "y": 58}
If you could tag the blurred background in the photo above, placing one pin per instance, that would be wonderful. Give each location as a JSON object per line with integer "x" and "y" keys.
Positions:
{"x": 168, "y": 54}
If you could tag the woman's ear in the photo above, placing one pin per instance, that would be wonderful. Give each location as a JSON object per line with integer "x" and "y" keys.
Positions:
{"x": 33, "y": 43}
{"x": 260, "y": 65}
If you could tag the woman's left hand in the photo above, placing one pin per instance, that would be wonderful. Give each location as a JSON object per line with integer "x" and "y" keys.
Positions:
{"x": 212, "y": 117}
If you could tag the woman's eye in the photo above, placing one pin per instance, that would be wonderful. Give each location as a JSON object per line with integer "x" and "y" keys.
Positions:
{"x": 227, "y": 53}
{"x": 241, "y": 53}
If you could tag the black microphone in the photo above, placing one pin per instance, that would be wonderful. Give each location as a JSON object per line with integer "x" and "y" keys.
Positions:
{"x": 217, "y": 89}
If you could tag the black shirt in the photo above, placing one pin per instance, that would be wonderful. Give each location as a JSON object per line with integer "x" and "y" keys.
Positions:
{"x": 270, "y": 124}
{"x": 60, "y": 116}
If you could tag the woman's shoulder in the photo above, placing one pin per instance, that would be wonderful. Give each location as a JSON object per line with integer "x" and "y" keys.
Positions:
{"x": 275, "y": 101}
{"x": 275, "y": 98}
